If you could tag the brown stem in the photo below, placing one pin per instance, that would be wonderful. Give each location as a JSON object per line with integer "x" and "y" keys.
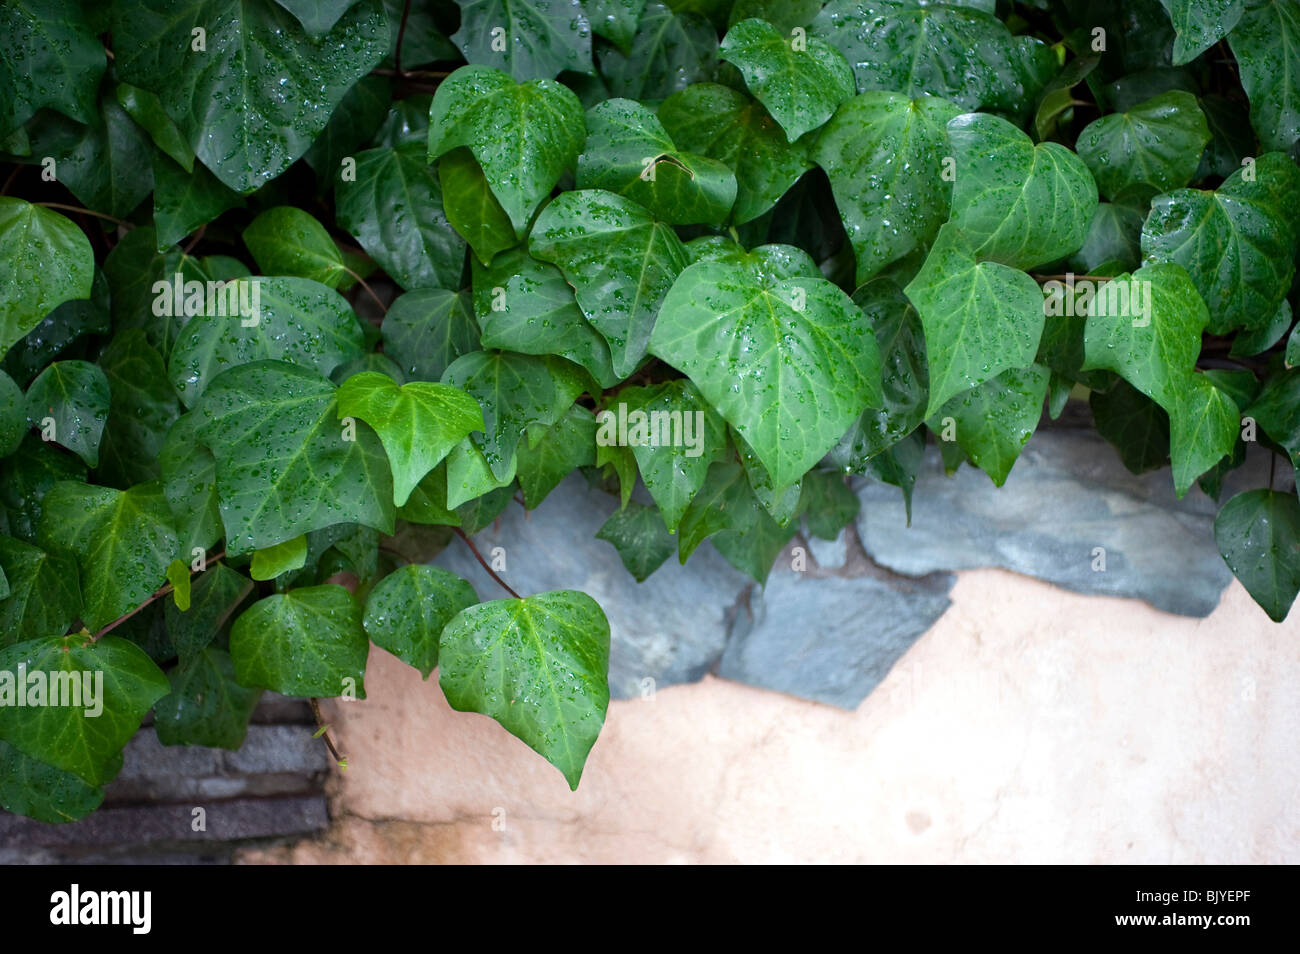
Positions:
{"x": 158, "y": 594}
{"x": 77, "y": 208}
{"x": 324, "y": 733}
{"x": 195, "y": 241}
{"x": 483, "y": 563}
{"x": 369, "y": 291}
{"x": 10, "y": 181}
{"x": 401, "y": 32}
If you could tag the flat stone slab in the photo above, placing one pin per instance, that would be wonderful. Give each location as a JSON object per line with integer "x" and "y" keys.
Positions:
{"x": 1067, "y": 496}
{"x": 831, "y": 639}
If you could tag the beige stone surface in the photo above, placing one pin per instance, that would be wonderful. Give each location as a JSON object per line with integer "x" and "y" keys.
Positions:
{"x": 1029, "y": 725}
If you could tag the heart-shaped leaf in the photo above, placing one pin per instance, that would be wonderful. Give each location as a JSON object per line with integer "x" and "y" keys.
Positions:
{"x": 980, "y": 318}
{"x": 790, "y": 363}
{"x": 524, "y": 135}
{"x": 47, "y": 261}
{"x": 44, "y": 595}
{"x": 1157, "y": 144}
{"x": 285, "y": 240}
{"x": 103, "y": 691}
{"x": 629, "y": 153}
{"x": 539, "y": 666}
{"x": 306, "y": 642}
{"x": 285, "y": 464}
{"x": 1266, "y": 45}
{"x": 529, "y": 39}
{"x": 884, "y": 154}
{"x": 407, "y": 612}
{"x": 994, "y": 420}
{"x": 1200, "y": 24}
{"x": 123, "y": 541}
{"x": 69, "y": 402}
{"x": 1237, "y": 243}
{"x": 427, "y": 329}
{"x": 297, "y": 320}
{"x": 800, "y": 79}
{"x": 724, "y": 124}
{"x": 1018, "y": 203}
{"x": 244, "y": 129}
{"x": 620, "y": 261}
{"x": 418, "y": 423}
{"x": 1258, "y": 533}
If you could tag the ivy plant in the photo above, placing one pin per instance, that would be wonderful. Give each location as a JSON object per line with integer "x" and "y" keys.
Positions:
{"x": 294, "y": 295}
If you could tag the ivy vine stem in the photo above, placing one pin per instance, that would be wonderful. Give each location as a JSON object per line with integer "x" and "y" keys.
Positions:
{"x": 483, "y": 563}
{"x": 157, "y": 595}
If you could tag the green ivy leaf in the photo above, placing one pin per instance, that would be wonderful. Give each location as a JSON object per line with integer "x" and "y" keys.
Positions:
{"x": 486, "y": 111}
{"x": 13, "y": 415}
{"x": 471, "y": 208}
{"x": 1157, "y": 144}
{"x": 74, "y": 396}
{"x": 317, "y": 16}
{"x": 206, "y": 706}
{"x": 47, "y": 261}
{"x": 418, "y": 423}
{"x": 1274, "y": 410}
{"x": 270, "y": 562}
{"x": 215, "y": 594}
{"x": 800, "y": 80}
{"x": 427, "y": 329}
{"x": 1135, "y": 424}
{"x": 123, "y": 541}
{"x": 353, "y": 123}
{"x": 539, "y": 666}
{"x": 407, "y": 612}
{"x": 1258, "y": 533}
{"x": 994, "y": 420}
{"x": 541, "y": 37}
{"x": 1248, "y": 343}
{"x": 44, "y": 594}
{"x": 53, "y": 40}
{"x": 525, "y": 305}
{"x": 246, "y": 129}
{"x": 1200, "y": 24}
{"x": 184, "y": 201}
{"x": 286, "y": 240}
{"x": 827, "y": 504}
{"x": 1255, "y": 218}
{"x": 297, "y": 321}
{"x": 143, "y": 406}
{"x": 942, "y": 49}
{"x": 285, "y": 465}
{"x": 1018, "y": 203}
{"x": 147, "y": 110}
{"x": 724, "y": 124}
{"x": 1155, "y": 353}
{"x": 27, "y": 476}
{"x": 189, "y": 472}
{"x": 669, "y": 52}
{"x": 789, "y": 364}
{"x": 620, "y": 261}
{"x": 514, "y": 391}
{"x": 638, "y": 533}
{"x": 469, "y": 476}
{"x": 1203, "y": 430}
{"x": 306, "y": 642}
{"x": 67, "y": 736}
{"x": 568, "y": 444}
{"x": 615, "y": 20}
{"x": 32, "y": 788}
{"x": 105, "y": 164}
{"x": 1114, "y": 240}
{"x": 673, "y": 461}
{"x": 629, "y": 153}
{"x": 884, "y": 156}
{"x": 1266, "y": 45}
{"x": 394, "y": 208}
{"x": 980, "y": 318}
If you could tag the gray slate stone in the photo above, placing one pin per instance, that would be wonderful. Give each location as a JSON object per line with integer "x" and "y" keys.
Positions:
{"x": 1067, "y": 495}
{"x": 831, "y": 639}
{"x": 671, "y": 628}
